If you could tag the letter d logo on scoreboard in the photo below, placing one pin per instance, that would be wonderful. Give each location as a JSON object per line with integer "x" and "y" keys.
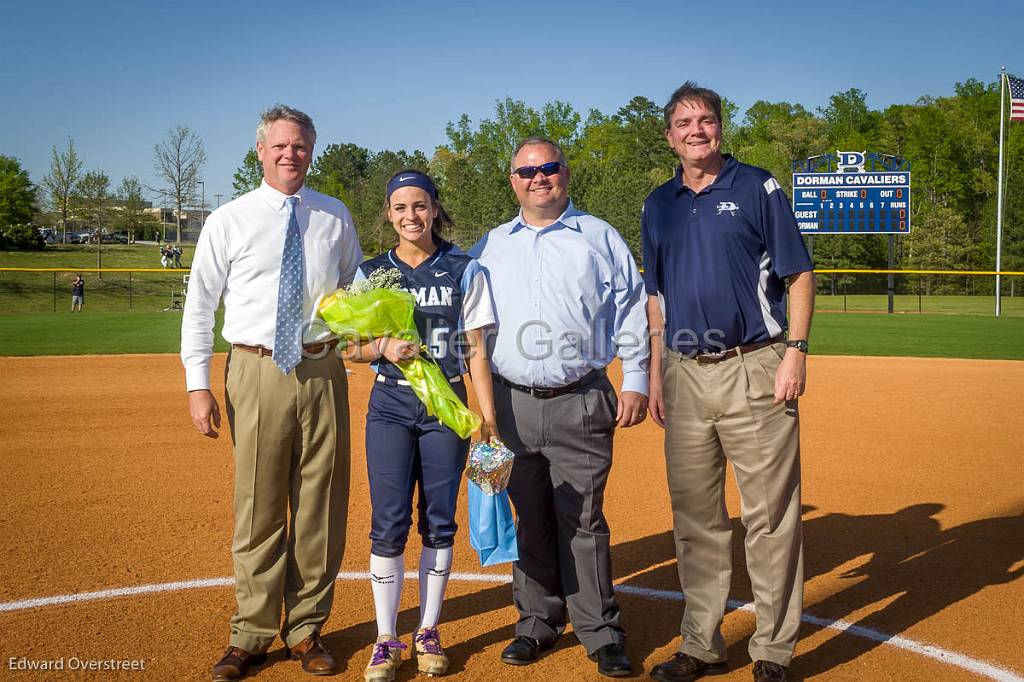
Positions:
{"x": 850, "y": 162}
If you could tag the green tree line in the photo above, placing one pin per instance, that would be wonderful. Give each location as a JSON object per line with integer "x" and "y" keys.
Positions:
{"x": 616, "y": 159}
{"x": 72, "y": 199}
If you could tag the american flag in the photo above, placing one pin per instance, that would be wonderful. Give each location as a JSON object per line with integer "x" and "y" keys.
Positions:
{"x": 1016, "y": 98}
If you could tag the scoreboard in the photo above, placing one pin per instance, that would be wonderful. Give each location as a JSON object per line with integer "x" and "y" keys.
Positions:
{"x": 852, "y": 202}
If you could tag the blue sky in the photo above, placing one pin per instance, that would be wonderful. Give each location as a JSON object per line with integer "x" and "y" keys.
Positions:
{"x": 116, "y": 76}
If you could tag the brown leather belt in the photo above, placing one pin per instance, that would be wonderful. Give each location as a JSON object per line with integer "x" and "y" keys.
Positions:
{"x": 714, "y": 358}
{"x": 545, "y": 392}
{"x": 308, "y": 349}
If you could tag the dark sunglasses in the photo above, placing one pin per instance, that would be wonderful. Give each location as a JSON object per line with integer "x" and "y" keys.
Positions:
{"x": 548, "y": 169}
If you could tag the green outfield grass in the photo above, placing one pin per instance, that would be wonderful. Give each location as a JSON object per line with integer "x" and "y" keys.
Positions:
{"x": 938, "y": 336}
{"x": 951, "y": 336}
{"x": 93, "y": 333}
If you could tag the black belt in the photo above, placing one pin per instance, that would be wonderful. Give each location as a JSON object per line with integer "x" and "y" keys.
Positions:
{"x": 714, "y": 358}
{"x": 545, "y": 392}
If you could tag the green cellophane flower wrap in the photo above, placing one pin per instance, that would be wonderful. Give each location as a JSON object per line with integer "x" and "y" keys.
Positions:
{"x": 433, "y": 389}
{"x": 370, "y": 314}
{"x": 376, "y": 312}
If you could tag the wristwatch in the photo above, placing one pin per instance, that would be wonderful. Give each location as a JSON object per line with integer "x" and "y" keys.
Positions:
{"x": 799, "y": 344}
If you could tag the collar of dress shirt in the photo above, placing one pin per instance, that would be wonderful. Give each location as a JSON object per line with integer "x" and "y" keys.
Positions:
{"x": 569, "y": 219}
{"x": 276, "y": 199}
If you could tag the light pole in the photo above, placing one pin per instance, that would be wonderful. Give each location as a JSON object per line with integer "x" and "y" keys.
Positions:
{"x": 202, "y": 205}
{"x": 218, "y": 199}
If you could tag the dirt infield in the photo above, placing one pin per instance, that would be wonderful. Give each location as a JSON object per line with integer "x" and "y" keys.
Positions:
{"x": 914, "y": 530}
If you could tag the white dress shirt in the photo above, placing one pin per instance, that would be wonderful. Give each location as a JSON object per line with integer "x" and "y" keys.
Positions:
{"x": 239, "y": 257}
{"x": 568, "y": 300}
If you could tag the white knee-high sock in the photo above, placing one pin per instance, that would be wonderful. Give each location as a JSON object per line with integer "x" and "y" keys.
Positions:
{"x": 386, "y": 575}
{"x": 435, "y": 565}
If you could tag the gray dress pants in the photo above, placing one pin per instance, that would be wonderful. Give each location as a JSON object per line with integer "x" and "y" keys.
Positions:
{"x": 563, "y": 448}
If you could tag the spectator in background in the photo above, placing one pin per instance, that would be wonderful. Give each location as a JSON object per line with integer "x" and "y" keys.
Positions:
{"x": 77, "y": 293}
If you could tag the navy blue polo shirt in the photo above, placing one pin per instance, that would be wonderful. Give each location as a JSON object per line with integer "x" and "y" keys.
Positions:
{"x": 719, "y": 258}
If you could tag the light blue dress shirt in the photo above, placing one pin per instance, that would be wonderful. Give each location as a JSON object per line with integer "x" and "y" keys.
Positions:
{"x": 568, "y": 299}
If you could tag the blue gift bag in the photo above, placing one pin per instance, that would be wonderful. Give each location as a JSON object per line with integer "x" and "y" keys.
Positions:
{"x": 492, "y": 532}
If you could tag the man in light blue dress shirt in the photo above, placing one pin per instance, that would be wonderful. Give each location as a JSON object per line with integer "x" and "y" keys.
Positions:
{"x": 568, "y": 300}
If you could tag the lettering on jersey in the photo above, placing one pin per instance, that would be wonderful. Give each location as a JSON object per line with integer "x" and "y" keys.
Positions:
{"x": 729, "y": 206}
{"x": 431, "y": 296}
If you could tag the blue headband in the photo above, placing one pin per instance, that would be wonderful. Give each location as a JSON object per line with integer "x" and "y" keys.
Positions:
{"x": 412, "y": 179}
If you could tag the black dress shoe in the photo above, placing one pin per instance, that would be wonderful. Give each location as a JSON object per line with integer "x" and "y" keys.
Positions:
{"x": 612, "y": 661}
{"x": 684, "y": 667}
{"x": 524, "y": 650}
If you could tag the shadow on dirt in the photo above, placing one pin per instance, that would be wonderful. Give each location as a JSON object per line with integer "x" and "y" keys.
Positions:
{"x": 908, "y": 560}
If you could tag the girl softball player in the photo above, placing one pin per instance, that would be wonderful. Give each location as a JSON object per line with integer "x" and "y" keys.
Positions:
{"x": 405, "y": 448}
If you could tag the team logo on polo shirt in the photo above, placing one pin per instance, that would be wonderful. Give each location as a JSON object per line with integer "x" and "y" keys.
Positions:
{"x": 729, "y": 206}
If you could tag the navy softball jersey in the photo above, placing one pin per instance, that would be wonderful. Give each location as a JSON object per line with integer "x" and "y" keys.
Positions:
{"x": 405, "y": 447}
{"x": 452, "y": 296}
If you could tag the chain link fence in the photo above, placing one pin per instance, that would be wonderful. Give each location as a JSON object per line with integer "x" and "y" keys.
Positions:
{"x": 949, "y": 293}
{"x": 40, "y": 291}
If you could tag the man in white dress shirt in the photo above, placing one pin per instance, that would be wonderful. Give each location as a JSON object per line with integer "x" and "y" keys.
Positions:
{"x": 271, "y": 254}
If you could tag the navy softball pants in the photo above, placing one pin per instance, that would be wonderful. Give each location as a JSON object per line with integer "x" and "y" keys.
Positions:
{"x": 407, "y": 449}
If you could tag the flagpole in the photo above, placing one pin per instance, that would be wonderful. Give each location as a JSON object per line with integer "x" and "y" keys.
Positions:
{"x": 999, "y": 193}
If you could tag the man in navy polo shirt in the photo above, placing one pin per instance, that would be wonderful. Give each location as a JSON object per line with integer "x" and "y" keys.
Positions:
{"x": 719, "y": 246}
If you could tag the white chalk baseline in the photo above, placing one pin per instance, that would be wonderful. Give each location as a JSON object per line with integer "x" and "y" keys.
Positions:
{"x": 979, "y": 667}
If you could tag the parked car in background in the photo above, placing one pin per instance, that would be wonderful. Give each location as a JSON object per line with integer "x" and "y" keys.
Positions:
{"x": 115, "y": 238}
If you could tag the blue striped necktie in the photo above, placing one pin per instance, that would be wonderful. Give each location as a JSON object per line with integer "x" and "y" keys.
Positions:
{"x": 288, "y": 336}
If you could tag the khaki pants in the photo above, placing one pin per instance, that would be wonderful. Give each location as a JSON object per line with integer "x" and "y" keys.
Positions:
{"x": 725, "y": 411}
{"x": 291, "y": 436}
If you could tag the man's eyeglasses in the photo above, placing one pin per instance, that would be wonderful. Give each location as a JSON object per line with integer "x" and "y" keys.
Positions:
{"x": 548, "y": 169}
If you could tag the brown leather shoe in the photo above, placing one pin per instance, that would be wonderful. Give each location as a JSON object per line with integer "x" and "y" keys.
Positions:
{"x": 315, "y": 657}
{"x": 235, "y": 664}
